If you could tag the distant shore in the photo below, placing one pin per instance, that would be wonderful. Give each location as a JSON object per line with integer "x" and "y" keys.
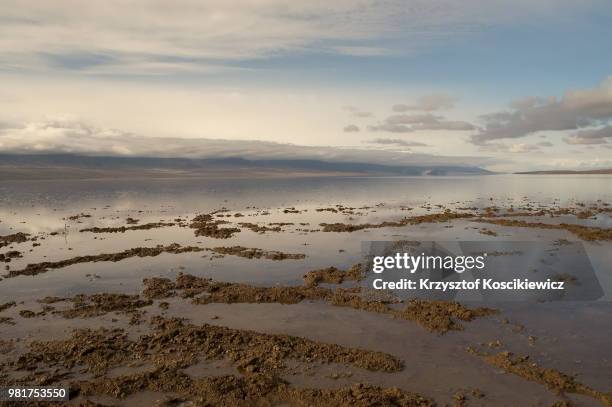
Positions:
{"x": 561, "y": 172}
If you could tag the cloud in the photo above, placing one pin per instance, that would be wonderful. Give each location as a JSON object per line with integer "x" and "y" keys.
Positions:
{"x": 523, "y": 148}
{"x": 351, "y": 128}
{"x": 576, "y": 109}
{"x": 510, "y": 148}
{"x": 137, "y": 36}
{"x": 591, "y": 136}
{"x": 545, "y": 144}
{"x": 397, "y": 142}
{"x": 363, "y": 51}
{"x": 75, "y": 137}
{"x": 355, "y": 111}
{"x": 404, "y": 123}
{"x": 427, "y": 103}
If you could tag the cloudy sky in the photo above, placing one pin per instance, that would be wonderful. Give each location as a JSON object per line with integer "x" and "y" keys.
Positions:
{"x": 505, "y": 84}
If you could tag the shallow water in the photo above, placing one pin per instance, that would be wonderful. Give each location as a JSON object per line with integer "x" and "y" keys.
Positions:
{"x": 573, "y": 337}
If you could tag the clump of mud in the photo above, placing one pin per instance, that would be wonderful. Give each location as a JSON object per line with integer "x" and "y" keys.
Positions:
{"x": 206, "y": 225}
{"x": 123, "y": 229}
{"x": 332, "y": 275}
{"x": 589, "y": 233}
{"x": 26, "y": 313}
{"x": 441, "y": 316}
{"x": 553, "y": 379}
{"x": 254, "y": 253}
{"x": 252, "y": 390}
{"x": 446, "y": 216}
{"x": 14, "y": 238}
{"x": 7, "y": 305}
{"x": 88, "y": 306}
{"x": 158, "y": 288}
{"x": 8, "y": 256}
{"x": 261, "y": 229}
{"x": 436, "y": 316}
{"x": 6, "y": 346}
{"x": 94, "y": 351}
{"x": 222, "y": 292}
{"x": 37, "y": 268}
{"x": 174, "y": 342}
{"x": 488, "y": 232}
{"x": 79, "y": 216}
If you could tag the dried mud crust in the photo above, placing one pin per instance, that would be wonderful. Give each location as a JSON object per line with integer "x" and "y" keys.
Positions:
{"x": 123, "y": 229}
{"x": 206, "y": 225}
{"x": 559, "y": 382}
{"x": 254, "y": 253}
{"x": 38, "y": 268}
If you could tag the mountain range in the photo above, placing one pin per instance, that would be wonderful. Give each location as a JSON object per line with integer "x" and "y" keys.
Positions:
{"x": 51, "y": 166}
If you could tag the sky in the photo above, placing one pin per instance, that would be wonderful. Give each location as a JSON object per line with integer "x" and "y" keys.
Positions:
{"x": 509, "y": 85}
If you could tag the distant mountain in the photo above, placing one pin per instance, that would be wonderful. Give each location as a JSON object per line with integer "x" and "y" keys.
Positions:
{"x": 76, "y": 166}
{"x": 599, "y": 171}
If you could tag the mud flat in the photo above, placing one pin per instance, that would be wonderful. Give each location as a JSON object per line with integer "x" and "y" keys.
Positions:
{"x": 301, "y": 331}
{"x": 174, "y": 345}
{"x": 86, "y": 360}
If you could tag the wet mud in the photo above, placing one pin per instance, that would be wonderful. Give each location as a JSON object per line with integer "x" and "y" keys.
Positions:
{"x": 146, "y": 348}
{"x": 123, "y": 229}
{"x": 560, "y": 382}
{"x": 207, "y": 225}
{"x": 446, "y": 216}
{"x": 583, "y": 232}
{"x": 38, "y": 268}
{"x": 13, "y": 238}
{"x": 254, "y": 253}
